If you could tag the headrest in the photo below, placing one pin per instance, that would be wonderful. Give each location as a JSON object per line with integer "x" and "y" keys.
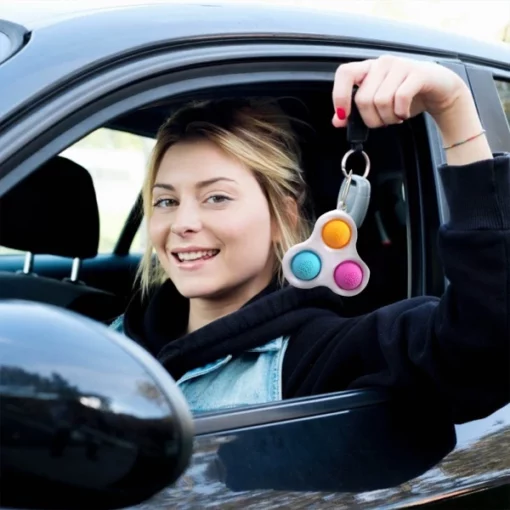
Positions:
{"x": 52, "y": 211}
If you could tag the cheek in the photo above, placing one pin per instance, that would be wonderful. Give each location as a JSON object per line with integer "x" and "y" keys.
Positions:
{"x": 158, "y": 231}
{"x": 250, "y": 235}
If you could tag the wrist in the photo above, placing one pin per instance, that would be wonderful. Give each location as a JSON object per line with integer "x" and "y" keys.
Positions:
{"x": 462, "y": 131}
{"x": 459, "y": 121}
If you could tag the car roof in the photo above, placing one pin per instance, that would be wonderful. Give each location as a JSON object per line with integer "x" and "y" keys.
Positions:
{"x": 248, "y": 17}
{"x": 34, "y": 14}
{"x": 65, "y": 42}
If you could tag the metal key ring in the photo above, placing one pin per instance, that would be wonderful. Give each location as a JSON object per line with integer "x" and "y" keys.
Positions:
{"x": 367, "y": 163}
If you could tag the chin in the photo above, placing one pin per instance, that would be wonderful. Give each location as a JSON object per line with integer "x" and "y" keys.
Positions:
{"x": 201, "y": 289}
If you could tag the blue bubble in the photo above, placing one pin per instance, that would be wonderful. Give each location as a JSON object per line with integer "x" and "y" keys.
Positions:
{"x": 306, "y": 265}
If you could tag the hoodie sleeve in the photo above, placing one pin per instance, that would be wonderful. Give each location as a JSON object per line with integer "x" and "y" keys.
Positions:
{"x": 456, "y": 348}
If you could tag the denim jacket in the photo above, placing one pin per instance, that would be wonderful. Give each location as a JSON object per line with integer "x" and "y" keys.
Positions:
{"x": 254, "y": 377}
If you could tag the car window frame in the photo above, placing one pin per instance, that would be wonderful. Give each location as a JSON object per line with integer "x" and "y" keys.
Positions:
{"x": 502, "y": 78}
{"x": 482, "y": 81}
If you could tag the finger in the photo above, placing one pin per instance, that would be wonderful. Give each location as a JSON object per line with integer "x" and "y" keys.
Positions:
{"x": 365, "y": 97}
{"x": 405, "y": 95}
{"x": 384, "y": 98}
{"x": 346, "y": 76}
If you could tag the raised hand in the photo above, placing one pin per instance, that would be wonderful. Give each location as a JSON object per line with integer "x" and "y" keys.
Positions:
{"x": 393, "y": 89}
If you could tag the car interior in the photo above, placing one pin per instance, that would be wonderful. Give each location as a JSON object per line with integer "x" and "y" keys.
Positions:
{"x": 52, "y": 215}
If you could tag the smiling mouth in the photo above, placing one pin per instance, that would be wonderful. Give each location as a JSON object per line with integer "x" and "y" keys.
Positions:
{"x": 193, "y": 256}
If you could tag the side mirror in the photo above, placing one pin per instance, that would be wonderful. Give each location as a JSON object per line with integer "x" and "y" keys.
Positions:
{"x": 89, "y": 419}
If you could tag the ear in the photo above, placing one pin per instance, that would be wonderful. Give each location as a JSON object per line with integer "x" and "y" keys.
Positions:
{"x": 291, "y": 212}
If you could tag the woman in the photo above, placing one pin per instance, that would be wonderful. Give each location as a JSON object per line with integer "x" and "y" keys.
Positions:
{"x": 223, "y": 200}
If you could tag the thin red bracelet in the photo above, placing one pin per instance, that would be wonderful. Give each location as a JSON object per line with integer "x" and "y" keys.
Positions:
{"x": 464, "y": 141}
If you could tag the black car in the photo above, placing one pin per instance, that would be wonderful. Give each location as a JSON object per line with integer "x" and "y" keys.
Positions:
{"x": 89, "y": 420}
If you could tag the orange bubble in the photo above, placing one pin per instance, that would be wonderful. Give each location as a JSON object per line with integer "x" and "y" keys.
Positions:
{"x": 336, "y": 234}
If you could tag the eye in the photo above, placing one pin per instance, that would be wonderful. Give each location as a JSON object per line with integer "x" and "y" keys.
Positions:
{"x": 165, "y": 202}
{"x": 218, "y": 199}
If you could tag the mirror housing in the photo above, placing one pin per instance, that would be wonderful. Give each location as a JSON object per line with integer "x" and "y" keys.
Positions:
{"x": 89, "y": 419}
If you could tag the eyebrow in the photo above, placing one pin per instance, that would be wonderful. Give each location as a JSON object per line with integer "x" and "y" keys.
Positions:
{"x": 201, "y": 184}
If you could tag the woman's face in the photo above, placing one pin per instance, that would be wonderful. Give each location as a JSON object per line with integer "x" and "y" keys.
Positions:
{"x": 210, "y": 224}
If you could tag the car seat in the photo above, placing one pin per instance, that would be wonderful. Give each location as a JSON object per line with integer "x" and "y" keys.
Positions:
{"x": 54, "y": 211}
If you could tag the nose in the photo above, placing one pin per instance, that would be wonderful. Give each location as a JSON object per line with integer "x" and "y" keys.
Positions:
{"x": 187, "y": 219}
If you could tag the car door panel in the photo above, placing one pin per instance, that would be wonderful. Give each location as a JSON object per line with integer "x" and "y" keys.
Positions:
{"x": 365, "y": 454}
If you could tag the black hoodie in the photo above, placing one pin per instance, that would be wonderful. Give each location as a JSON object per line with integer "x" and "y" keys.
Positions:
{"x": 455, "y": 349}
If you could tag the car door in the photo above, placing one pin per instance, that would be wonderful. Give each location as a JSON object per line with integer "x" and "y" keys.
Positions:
{"x": 352, "y": 449}
{"x": 349, "y": 450}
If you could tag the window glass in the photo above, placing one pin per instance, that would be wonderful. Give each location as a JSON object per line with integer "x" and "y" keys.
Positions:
{"x": 117, "y": 161}
{"x": 504, "y": 94}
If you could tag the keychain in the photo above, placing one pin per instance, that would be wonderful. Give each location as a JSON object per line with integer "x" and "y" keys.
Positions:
{"x": 329, "y": 256}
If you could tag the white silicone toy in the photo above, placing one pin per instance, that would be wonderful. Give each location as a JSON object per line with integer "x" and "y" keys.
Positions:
{"x": 328, "y": 257}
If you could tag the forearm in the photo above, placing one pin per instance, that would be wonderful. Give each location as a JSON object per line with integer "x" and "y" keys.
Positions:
{"x": 458, "y": 123}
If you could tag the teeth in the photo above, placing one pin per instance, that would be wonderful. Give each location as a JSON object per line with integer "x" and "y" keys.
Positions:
{"x": 195, "y": 255}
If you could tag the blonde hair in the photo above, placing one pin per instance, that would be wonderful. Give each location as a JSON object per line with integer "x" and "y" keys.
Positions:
{"x": 257, "y": 133}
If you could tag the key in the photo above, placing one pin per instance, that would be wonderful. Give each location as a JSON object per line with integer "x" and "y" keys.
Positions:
{"x": 357, "y": 131}
{"x": 329, "y": 257}
{"x": 354, "y": 197}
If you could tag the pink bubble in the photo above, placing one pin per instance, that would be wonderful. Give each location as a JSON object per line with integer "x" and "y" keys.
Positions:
{"x": 348, "y": 275}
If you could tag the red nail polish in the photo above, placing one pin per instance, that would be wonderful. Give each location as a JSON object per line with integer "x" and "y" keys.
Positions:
{"x": 340, "y": 112}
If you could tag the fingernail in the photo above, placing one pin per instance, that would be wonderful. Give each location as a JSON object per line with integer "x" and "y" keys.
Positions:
{"x": 340, "y": 113}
